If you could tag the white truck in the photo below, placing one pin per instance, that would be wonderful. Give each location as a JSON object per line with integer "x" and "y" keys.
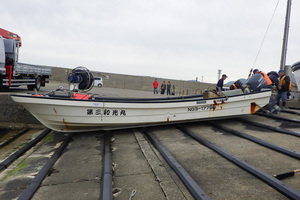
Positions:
{"x": 13, "y": 73}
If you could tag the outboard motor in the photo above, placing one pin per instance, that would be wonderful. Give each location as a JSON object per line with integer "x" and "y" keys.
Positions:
{"x": 256, "y": 82}
{"x": 81, "y": 78}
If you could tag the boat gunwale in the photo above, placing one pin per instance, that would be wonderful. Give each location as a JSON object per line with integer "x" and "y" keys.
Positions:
{"x": 138, "y": 100}
{"x": 296, "y": 66}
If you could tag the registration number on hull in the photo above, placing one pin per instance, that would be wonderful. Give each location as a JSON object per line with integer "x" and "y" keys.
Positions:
{"x": 200, "y": 108}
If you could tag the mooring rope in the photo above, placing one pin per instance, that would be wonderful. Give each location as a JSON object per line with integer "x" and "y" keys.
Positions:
{"x": 265, "y": 35}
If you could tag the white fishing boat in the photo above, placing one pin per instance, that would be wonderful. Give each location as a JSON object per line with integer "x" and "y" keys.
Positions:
{"x": 78, "y": 112}
{"x": 67, "y": 114}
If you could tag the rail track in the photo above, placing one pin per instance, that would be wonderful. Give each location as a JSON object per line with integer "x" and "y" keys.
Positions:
{"x": 224, "y": 159}
{"x": 19, "y": 152}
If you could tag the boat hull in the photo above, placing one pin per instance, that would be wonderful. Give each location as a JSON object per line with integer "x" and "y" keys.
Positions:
{"x": 73, "y": 115}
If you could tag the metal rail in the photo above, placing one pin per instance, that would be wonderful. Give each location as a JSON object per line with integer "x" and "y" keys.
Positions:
{"x": 267, "y": 178}
{"x": 106, "y": 186}
{"x": 35, "y": 183}
{"x": 278, "y": 117}
{"x": 13, "y": 138}
{"x": 4, "y": 164}
{"x": 295, "y": 108}
{"x": 269, "y": 145}
{"x": 280, "y": 130}
{"x": 188, "y": 181}
{"x": 291, "y": 112}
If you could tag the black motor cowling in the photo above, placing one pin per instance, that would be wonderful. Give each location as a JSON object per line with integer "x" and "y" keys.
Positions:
{"x": 256, "y": 82}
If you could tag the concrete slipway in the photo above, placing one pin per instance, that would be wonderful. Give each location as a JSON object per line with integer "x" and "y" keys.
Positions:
{"x": 139, "y": 166}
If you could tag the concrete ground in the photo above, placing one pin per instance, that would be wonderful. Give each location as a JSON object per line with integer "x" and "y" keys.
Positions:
{"x": 78, "y": 170}
{"x": 139, "y": 167}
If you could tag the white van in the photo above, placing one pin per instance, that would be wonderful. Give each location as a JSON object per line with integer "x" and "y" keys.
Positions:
{"x": 98, "y": 81}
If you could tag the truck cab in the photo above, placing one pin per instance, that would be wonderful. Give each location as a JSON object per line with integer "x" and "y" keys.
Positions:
{"x": 13, "y": 73}
{"x": 8, "y": 52}
{"x": 2, "y": 56}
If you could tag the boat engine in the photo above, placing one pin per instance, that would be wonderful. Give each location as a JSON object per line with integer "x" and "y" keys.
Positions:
{"x": 81, "y": 79}
{"x": 256, "y": 82}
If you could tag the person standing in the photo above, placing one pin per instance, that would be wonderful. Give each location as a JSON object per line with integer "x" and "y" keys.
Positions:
{"x": 173, "y": 90}
{"x": 284, "y": 86}
{"x": 155, "y": 85}
{"x": 274, "y": 78}
{"x": 163, "y": 87}
{"x": 266, "y": 77}
{"x": 221, "y": 82}
{"x": 169, "y": 88}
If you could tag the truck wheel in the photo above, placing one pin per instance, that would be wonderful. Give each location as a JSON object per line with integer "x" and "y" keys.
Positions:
{"x": 99, "y": 85}
{"x": 38, "y": 83}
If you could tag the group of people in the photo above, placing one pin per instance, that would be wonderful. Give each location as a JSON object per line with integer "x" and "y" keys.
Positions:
{"x": 163, "y": 88}
{"x": 279, "y": 81}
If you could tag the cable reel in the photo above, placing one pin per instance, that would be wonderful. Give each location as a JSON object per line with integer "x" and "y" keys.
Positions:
{"x": 81, "y": 79}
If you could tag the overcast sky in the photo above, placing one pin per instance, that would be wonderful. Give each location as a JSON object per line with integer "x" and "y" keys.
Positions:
{"x": 170, "y": 39}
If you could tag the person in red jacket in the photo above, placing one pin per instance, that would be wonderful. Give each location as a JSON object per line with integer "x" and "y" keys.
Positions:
{"x": 155, "y": 85}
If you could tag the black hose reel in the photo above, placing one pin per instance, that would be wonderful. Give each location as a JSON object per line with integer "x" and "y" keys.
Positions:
{"x": 81, "y": 79}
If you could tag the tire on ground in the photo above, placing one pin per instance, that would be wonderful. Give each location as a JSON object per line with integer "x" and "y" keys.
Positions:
{"x": 37, "y": 85}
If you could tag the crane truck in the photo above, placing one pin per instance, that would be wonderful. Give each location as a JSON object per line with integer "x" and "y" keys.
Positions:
{"x": 13, "y": 73}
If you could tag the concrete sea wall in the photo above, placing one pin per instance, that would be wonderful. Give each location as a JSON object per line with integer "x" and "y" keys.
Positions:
{"x": 14, "y": 115}
{"x": 144, "y": 83}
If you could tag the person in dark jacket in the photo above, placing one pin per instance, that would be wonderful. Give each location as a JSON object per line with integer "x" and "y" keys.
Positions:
{"x": 169, "y": 88}
{"x": 284, "y": 86}
{"x": 221, "y": 82}
{"x": 273, "y": 77}
{"x": 236, "y": 85}
{"x": 163, "y": 88}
